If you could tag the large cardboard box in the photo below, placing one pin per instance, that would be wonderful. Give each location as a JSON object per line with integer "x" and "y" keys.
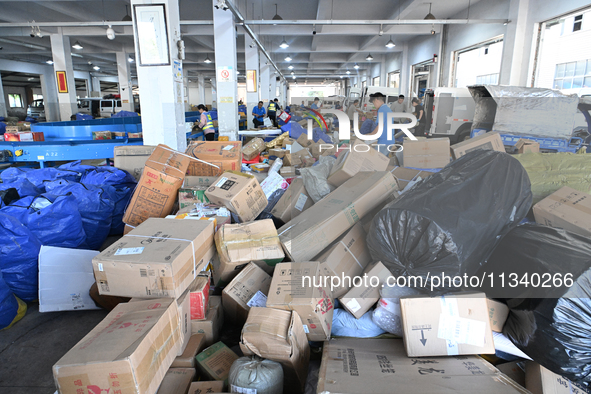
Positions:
{"x": 347, "y": 258}
{"x": 215, "y": 361}
{"x": 308, "y": 234}
{"x": 294, "y": 201}
{"x": 360, "y": 299}
{"x": 215, "y": 157}
{"x": 354, "y": 365}
{"x": 525, "y": 145}
{"x": 132, "y": 158}
{"x": 360, "y": 158}
{"x": 427, "y": 153}
{"x": 253, "y": 148}
{"x": 239, "y": 244}
{"x": 187, "y": 358}
{"x": 487, "y": 141}
{"x": 497, "y": 314}
{"x": 566, "y": 208}
{"x": 294, "y": 288}
{"x": 157, "y": 189}
{"x": 240, "y": 193}
{"x": 406, "y": 176}
{"x": 248, "y": 289}
{"x": 159, "y": 258}
{"x": 540, "y": 380}
{"x": 514, "y": 371}
{"x": 214, "y": 320}
{"x": 279, "y": 336}
{"x": 212, "y": 386}
{"x": 177, "y": 381}
{"x": 457, "y": 324}
{"x": 131, "y": 350}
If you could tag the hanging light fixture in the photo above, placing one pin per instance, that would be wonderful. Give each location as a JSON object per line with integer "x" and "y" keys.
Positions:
{"x": 130, "y": 59}
{"x": 110, "y": 33}
{"x": 96, "y": 68}
{"x": 430, "y": 15}
{"x": 369, "y": 58}
{"x": 284, "y": 44}
{"x": 288, "y": 59}
{"x": 290, "y": 67}
{"x": 127, "y": 17}
{"x": 293, "y": 77}
{"x": 356, "y": 66}
{"x": 348, "y": 72}
{"x": 207, "y": 60}
{"x": 77, "y": 45}
{"x": 292, "y": 73}
{"x": 277, "y": 17}
{"x": 49, "y": 61}
{"x": 390, "y": 44}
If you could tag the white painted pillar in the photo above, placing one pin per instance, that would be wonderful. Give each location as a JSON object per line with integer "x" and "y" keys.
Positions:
{"x": 225, "y": 63}
{"x": 405, "y": 77}
{"x": 125, "y": 89}
{"x": 265, "y": 74}
{"x": 163, "y": 115}
{"x": 95, "y": 83}
{"x": 49, "y": 92}
{"x": 201, "y": 89}
{"x": 383, "y": 76}
{"x": 186, "y": 90}
{"x": 273, "y": 87}
{"x": 62, "y": 61}
{"x": 513, "y": 63}
{"x": 3, "y": 111}
{"x": 251, "y": 54}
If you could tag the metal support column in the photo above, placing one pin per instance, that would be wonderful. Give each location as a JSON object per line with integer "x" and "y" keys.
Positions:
{"x": 62, "y": 62}
{"x": 251, "y": 53}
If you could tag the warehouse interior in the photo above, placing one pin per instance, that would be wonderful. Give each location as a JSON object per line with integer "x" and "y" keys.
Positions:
{"x": 268, "y": 124}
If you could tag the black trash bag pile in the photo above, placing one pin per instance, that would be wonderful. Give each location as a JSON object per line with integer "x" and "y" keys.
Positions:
{"x": 451, "y": 221}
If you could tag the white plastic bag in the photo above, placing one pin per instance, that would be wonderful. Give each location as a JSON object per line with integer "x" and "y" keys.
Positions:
{"x": 387, "y": 314}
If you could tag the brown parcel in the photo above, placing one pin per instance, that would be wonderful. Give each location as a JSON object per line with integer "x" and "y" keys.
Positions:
{"x": 279, "y": 336}
{"x": 487, "y": 141}
{"x": 177, "y": 381}
{"x": 497, "y": 314}
{"x": 215, "y": 361}
{"x": 308, "y": 234}
{"x": 279, "y": 153}
{"x": 315, "y": 305}
{"x": 197, "y": 181}
{"x": 566, "y": 208}
{"x": 322, "y": 149}
{"x": 132, "y": 158}
{"x": 212, "y": 386}
{"x": 457, "y": 324}
{"x": 156, "y": 192}
{"x": 353, "y": 366}
{"x": 359, "y": 300}
{"x": 240, "y": 193}
{"x": 132, "y": 348}
{"x": 159, "y": 258}
{"x": 288, "y": 172}
{"x": 248, "y": 289}
{"x": 427, "y": 153}
{"x": 351, "y": 162}
{"x": 346, "y": 258}
{"x": 215, "y": 157}
{"x": 294, "y": 201}
{"x": 539, "y": 380}
{"x": 406, "y": 175}
{"x": 527, "y": 146}
{"x": 513, "y": 371}
{"x": 304, "y": 141}
{"x": 187, "y": 359}
{"x": 210, "y": 327}
{"x": 253, "y": 148}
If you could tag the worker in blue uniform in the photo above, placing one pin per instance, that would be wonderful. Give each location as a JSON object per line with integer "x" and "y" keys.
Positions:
{"x": 259, "y": 114}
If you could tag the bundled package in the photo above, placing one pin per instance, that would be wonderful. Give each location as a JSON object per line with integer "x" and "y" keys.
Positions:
{"x": 450, "y": 222}
{"x": 253, "y": 148}
{"x": 256, "y": 375}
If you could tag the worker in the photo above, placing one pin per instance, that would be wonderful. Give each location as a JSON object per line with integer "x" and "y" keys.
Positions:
{"x": 378, "y": 100}
{"x": 399, "y": 105}
{"x": 354, "y": 107}
{"x": 272, "y": 111}
{"x": 206, "y": 123}
{"x": 315, "y": 103}
{"x": 259, "y": 115}
{"x": 338, "y": 105}
{"x": 419, "y": 112}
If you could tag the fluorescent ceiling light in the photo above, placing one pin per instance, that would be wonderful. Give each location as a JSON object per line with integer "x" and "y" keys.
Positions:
{"x": 390, "y": 44}
{"x": 369, "y": 58}
{"x": 356, "y": 66}
{"x": 207, "y": 59}
{"x": 96, "y": 68}
{"x": 284, "y": 44}
{"x": 49, "y": 61}
{"x": 77, "y": 45}
{"x": 290, "y": 67}
{"x": 288, "y": 59}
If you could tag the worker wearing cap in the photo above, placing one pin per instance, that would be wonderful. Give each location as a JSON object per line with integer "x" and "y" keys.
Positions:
{"x": 259, "y": 115}
{"x": 378, "y": 100}
{"x": 206, "y": 123}
{"x": 272, "y": 111}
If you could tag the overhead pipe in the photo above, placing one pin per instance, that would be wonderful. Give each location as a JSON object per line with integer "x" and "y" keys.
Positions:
{"x": 376, "y": 22}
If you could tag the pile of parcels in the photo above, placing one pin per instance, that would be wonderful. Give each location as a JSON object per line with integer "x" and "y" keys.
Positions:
{"x": 21, "y": 131}
{"x": 115, "y": 135}
{"x": 222, "y": 256}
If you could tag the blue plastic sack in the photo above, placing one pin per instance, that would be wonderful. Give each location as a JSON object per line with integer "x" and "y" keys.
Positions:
{"x": 19, "y": 209}
{"x": 2, "y": 128}
{"x": 23, "y": 187}
{"x": 77, "y": 167}
{"x": 345, "y": 324}
{"x": 214, "y": 114}
{"x": 19, "y": 251}
{"x": 319, "y": 134}
{"x": 80, "y": 116}
{"x": 111, "y": 176}
{"x": 12, "y": 174}
{"x": 8, "y": 305}
{"x": 95, "y": 205}
{"x": 295, "y": 129}
{"x": 367, "y": 126}
{"x": 124, "y": 114}
{"x": 8, "y": 195}
{"x": 31, "y": 120}
{"x": 38, "y": 176}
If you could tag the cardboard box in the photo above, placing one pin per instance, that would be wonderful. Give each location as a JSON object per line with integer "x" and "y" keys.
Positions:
{"x": 322, "y": 149}
{"x": 287, "y": 141}
{"x": 113, "y": 354}
{"x": 304, "y": 141}
{"x": 239, "y": 244}
{"x": 427, "y": 153}
{"x": 199, "y": 297}
{"x": 566, "y": 208}
{"x": 24, "y": 136}
{"x": 240, "y": 193}
{"x": 260, "y": 168}
{"x": 288, "y": 172}
{"x": 486, "y": 141}
{"x": 101, "y": 135}
{"x": 187, "y": 358}
{"x": 335, "y": 214}
{"x": 177, "y": 381}
{"x": 348, "y": 257}
{"x": 355, "y": 365}
{"x": 216, "y": 360}
{"x": 278, "y": 153}
{"x": 457, "y": 324}
{"x": 118, "y": 135}
{"x": 279, "y": 336}
{"x": 360, "y": 299}
{"x": 210, "y": 327}
{"x": 14, "y": 129}
{"x": 157, "y": 189}
{"x": 497, "y": 314}
{"x": 198, "y": 181}
{"x": 159, "y": 258}
{"x": 248, "y": 289}
{"x": 294, "y": 201}
{"x": 188, "y": 197}
{"x": 132, "y": 158}
{"x": 513, "y": 371}
{"x": 216, "y": 157}
{"x": 527, "y": 146}
{"x": 539, "y": 380}
{"x": 213, "y": 386}
{"x": 302, "y": 158}
{"x": 314, "y": 304}
{"x": 405, "y": 176}
{"x": 135, "y": 135}
{"x": 273, "y": 182}
{"x": 253, "y": 148}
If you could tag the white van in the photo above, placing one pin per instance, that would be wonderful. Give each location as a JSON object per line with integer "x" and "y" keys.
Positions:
{"x": 449, "y": 112}
{"x": 99, "y": 107}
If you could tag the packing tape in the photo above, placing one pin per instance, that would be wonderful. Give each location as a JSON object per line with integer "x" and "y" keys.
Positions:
{"x": 351, "y": 253}
{"x": 174, "y": 239}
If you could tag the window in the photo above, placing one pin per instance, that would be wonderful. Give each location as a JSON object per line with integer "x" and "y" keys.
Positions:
{"x": 490, "y": 79}
{"x": 107, "y": 104}
{"x": 37, "y": 97}
{"x": 573, "y": 75}
{"x": 578, "y": 23}
{"x": 118, "y": 103}
{"x": 376, "y": 81}
{"x": 394, "y": 79}
{"x": 15, "y": 100}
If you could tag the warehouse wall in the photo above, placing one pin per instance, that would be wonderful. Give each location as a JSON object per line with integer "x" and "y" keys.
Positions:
{"x": 393, "y": 62}
{"x": 18, "y": 112}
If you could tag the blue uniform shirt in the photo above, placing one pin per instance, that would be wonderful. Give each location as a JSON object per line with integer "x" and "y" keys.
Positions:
{"x": 258, "y": 113}
{"x": 383, "y": 113}
{"x": 314, "y": 106}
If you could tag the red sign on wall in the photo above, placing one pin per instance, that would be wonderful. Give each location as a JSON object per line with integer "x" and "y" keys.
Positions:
{"x": 62, "y": 84}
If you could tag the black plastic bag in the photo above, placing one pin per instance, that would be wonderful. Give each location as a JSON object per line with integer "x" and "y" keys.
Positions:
{"x": 451, "y": 221}
{"x": 547, "y": 286}
{"x": 7, "y": 196}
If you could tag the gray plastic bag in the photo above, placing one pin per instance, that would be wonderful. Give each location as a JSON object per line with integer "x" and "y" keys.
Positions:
{"x": 248, "y": 374}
